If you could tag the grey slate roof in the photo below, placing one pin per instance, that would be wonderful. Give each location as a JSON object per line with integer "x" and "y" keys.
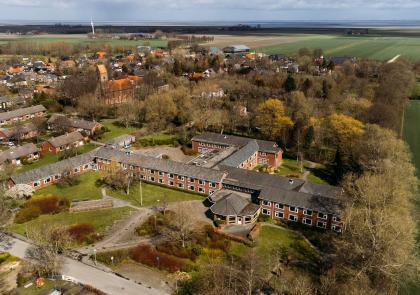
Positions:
{"x": 167, "y": 166}
{"x": 52, "y": 169}
{"x": 293, "y": 192}
{"x": 23, "y": 129}
{"x": 13, "y": 100}
{"x": 71, "y": 122}
{"x": 231, "y": 203}
{"x": 65, "y": 139}
{"x": 18, "y": 152}
{"x": 238, "y": 141}
{"x": 241, "y": 155}
{"x": 21, "y": 112}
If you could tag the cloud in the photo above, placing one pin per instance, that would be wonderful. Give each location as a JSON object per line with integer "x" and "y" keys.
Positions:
{"x": 210, "y": 9}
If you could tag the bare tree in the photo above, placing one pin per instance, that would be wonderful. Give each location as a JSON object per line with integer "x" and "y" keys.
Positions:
{"x": 49, "y": 244}
{"x": 181, "y": 226}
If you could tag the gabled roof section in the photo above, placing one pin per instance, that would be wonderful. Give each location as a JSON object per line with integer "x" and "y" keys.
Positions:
{"x": 241, "y": 155}
{"x": 22, "y": 112}
{"x": 18, "y": 152}
{"x": 65, "y": 139}
{"x": 237, "y": 141}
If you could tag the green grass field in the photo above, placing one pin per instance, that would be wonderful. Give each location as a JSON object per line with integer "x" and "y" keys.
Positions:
{"x": 115, "y": 130}
{"x": 100, "y": 219}
{"x": 85, "y": 190}
{"x": 271, "y": 239}
{"x": 411, "y": 134}
{"x": 411, "y": 130}
{"x": 152, "y": 194}
{"x": 371, "y": 47}
{"x": 82, "y": 40}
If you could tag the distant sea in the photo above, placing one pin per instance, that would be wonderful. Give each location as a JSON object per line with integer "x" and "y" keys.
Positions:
{"x": 262, "y": 24}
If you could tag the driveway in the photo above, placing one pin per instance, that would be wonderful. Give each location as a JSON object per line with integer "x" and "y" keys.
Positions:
{"x": 88, "y": 275}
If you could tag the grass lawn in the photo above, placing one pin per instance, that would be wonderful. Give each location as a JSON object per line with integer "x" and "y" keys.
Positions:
{"x": 160, "y": 138}
{"x": 372, "y": 47}
{"x": 271, "y": 238}
{"x": 85, "y": 190}
{"x": 83, "y": 40}
{"x": 152, "y": 194}
{"x": 115, "y": 130}
{"x": 52, "y": 158}
{"x": 100, "y": 219}
{"x": 290, "y": 167}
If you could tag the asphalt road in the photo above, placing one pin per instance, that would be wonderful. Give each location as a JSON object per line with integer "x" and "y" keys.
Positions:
{"x": 104, "y": 281}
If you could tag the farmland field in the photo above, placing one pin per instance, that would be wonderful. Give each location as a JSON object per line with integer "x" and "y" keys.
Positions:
{"x": 380, "y": 48}
{"x": 79, "y": 39}
{"x": 411, "y": 130}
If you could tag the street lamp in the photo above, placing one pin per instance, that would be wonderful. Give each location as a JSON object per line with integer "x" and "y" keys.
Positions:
{"x": 94, "y": 254}
{"x": 112, "y": 260}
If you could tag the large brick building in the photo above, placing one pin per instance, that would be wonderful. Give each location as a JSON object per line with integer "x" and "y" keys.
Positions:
{"x": 247, "y": 152}
{"x": 113, "y": 92}
{"x": 238, "y": 195}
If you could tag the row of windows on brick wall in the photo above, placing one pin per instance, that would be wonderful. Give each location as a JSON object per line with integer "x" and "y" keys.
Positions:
{"x": 307, "y": 221}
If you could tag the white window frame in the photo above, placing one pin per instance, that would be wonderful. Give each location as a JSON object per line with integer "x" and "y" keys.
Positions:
{"x": 334, "y": 228}
{"x": 201, "y": 190}
{"x": 160, "y": 180}
{"x": 295, "y": 209}
{"x": 191, "y": 188}
{"x": 305, "y": 212}
{"x": 278, "y": 213}
{"x": 306, "y": 219}
{"x": 324, "y": 224}
{"x": 295, "y": 218}
{"x": 266, "y": 211}
{"x": 171, "y": 183}
{"x": 180, "y": 185}
{"x": 322, "y": 215}
{"x": 335, "y": 219}
{"x": 201, "y": 182}
{"x": 278, "y": 206}
{"x": 171, "y": 176}
{"x": 266, "y": 203}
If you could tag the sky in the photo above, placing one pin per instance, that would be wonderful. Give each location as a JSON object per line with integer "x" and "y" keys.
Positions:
{"x": 209, "y": 10}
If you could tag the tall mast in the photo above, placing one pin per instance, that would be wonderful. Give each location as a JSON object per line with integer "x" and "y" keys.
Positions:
{"x": 93, "y": 26}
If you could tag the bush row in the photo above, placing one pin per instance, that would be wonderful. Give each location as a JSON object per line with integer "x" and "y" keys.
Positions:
{"x": 45, "y": 205}
{"x": 150, "y": 256}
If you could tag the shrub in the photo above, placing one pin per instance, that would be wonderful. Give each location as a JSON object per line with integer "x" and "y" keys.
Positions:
{"x": 175, "y": 249}
{"x": 82, "y": 232}
{"x": 44, "y": 205}
{"x": 188, "y": 151}
{"x": 119, "y": 256}
{"x": 149, "y": 256}
{"x": 27, "y": 213}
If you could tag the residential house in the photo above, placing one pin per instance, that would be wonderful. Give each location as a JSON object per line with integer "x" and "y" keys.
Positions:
{"x": 259, "y": 152}
{"x": 22, "y": 114}
{"x": 19, "y": 132}
{"x": 60, "y": 122}
{"x": 63, "y": 142}
{"x": 7, "y": 102}
{"x": 16, "y": 154}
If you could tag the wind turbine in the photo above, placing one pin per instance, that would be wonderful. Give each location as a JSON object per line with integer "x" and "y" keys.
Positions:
{"x": 93, "y": 26}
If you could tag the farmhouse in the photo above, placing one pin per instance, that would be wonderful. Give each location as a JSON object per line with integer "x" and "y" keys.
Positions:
{"x": 22, "y": 114}
{"x": 59, "y": 122}
{"x": 250, "y": 152}
{"x": 63, "y": 142}
{"x": 14, "y": 155}
{"x": 19, "y": 132}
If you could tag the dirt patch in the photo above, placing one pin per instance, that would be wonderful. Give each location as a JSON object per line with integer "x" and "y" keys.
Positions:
{"x": 174, "y": 154}
{"x": 146, "y": 276}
